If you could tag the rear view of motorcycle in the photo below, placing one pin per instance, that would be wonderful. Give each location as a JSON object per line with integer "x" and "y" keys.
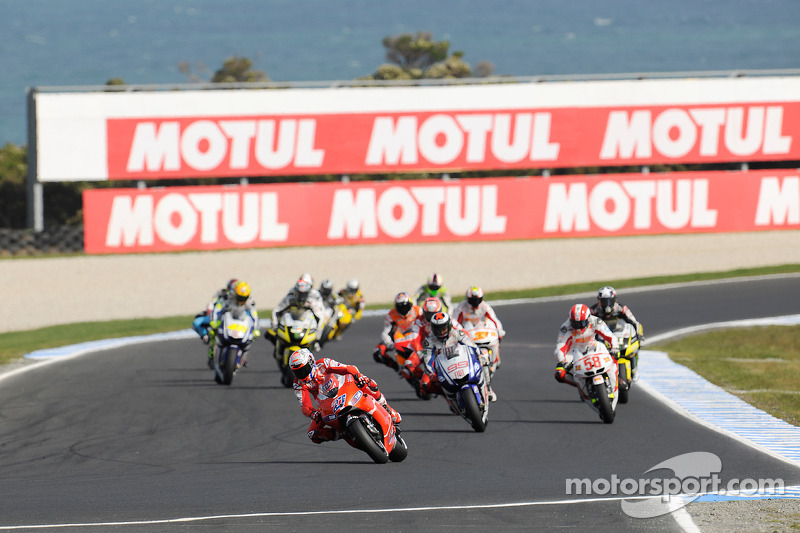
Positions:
{"x": 595, "y": 373}
{"x": 628, "y": 337}
{"x": 235, "y": 333}
{"x": 462, "y": 379}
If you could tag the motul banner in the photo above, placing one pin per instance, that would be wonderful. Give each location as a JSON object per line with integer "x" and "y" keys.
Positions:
{"x": 260, "y": 216}
{"x": 189, "y": 134}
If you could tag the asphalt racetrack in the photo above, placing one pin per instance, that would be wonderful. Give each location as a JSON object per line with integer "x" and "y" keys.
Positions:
{"x": 140, "y": 438}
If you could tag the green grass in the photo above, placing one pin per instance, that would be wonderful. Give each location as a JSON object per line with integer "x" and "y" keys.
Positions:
{"x": 760, "y": 365}
{"x": 706, "y": 354}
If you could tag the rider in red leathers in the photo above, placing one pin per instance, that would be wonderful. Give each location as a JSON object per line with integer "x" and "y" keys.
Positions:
{"x": 401, "y": 318}
{"x": 310, "y": 374}
{"x": 422, "y": 327}
{"x": 579, "y": 329}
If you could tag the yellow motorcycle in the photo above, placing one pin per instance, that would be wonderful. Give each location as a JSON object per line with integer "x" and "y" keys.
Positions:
{"x": 296, "y": 329}
{"x": 628, "y": 337}
{"x": 340, "y": 319}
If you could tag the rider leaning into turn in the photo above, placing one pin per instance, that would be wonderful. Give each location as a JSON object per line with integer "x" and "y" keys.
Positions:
{"x": 310, "y": 374}
{"x": 434, "y": 287}
{"x": 581, "y": 328}
{"x": 445, "y": 333}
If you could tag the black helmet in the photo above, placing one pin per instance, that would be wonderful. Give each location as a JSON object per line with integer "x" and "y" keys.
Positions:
{"x": 403, "y": 303}
{"x": 441, "y": 325}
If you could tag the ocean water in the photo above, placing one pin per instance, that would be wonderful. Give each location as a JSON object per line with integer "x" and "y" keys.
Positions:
{"x": 87, "y": 42}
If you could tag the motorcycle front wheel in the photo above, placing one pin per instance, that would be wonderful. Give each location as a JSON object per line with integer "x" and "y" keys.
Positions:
{"x": 473, "y": 411}
{"x": 366, "y": 442}
{"x": 227, "y": 363}
{"x": 604, "y": 403}
{"x": 400, "y": 450}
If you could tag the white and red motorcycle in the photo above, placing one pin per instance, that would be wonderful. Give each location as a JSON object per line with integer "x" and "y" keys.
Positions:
{"x": 487, "y": 338}
{"x": 596, "y": 375}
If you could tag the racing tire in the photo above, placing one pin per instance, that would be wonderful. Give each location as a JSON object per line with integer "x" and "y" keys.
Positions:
{"x": 229, "y": 365}
{"x": 473, "y": 411}
{"x": 400, "y": 450}
{"x": 604, "y": 404}
{"x": 366, "y": 442}
{"x": 624, "y": 383}
{"x": 623, "y": 395}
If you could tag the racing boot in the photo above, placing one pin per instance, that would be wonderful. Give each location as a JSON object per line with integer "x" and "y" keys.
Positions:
{"x": 396, "y": 418}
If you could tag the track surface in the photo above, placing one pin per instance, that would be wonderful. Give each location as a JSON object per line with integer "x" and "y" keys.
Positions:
{"x": 143, "y": 433}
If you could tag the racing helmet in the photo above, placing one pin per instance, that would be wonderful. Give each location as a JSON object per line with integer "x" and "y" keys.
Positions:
{"x": 579, "y": 317}
{"x": 474, "y": 296}
{"x": 331, "y": 387}
{"x": 352, "y": 286}
{"x": 241, "y": 292}
{"x": 301, "y": 290}
{"x": 607, "y": 297}
{"x": 305, "y": 276}
{"x": 430, "y": 307}
{"x": 434, "y": 282}
{"x": 326, "y": 288}
{"x": 403, "y": 303}
{"x": 231, "y": 285}
{"x": 441, "y": 325}
{"x": 302, "y": 363}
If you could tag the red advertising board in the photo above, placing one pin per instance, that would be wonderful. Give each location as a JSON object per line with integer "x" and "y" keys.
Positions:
{"x": 218, "y": 146}
{"x": 261, "y": 216}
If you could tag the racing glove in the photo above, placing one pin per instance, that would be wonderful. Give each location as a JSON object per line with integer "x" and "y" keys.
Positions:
{"x": 316, "y": 416}
{"x": 361, "y": 380}
{"x": 561, "y": 372}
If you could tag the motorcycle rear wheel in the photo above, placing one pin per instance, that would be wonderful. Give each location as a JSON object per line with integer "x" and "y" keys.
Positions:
{"x": 366, "y": 442}
{"x": 473, "y": 411}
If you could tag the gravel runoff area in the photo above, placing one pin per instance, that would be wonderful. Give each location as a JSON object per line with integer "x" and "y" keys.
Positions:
{"x": 61, "y": 290}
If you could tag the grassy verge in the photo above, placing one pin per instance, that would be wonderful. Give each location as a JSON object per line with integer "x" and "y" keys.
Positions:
{"x": 15, "y": 344}
{"x": 759, "y": 364}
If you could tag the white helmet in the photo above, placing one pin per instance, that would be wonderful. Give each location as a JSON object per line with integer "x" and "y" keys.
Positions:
{"x": 352, "y": 286}
{"x": 607, "y": 297}
{"x": 302, "y": 363}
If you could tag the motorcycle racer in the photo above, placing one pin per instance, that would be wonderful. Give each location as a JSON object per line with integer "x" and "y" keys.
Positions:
{"x": 310, "y": 374}
{"x": 434, "y": 287}
{"x": 580, "y": 330}
{"x": 607, "y": 308}
{"x": 201, "y": 321}
{"x": 474, "y": 312}
{"x": 399, "y": 319}
{"x": 446, "y": 333}
{"x": 302, "y": 295}
{"x": 422, "y": 327}
{"x": 353, "y": 298}
{"x": 238, "y": 298}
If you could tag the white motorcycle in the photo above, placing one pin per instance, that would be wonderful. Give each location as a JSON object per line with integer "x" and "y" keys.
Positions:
{"x": 235, "y": 333}
{"x": 487, "y": 338}
{"x": 595, "y": 372}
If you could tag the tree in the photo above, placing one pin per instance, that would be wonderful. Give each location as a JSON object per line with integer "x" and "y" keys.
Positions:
{"x": 13, "y": 169}
{"x": 413, "y": 57}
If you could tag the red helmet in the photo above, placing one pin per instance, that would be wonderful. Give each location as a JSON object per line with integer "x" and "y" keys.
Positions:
{"x": 430, "y": 307}
{"x": 579, "y": 317}
{"x": 441, "y": 325}
{"x": 403, "y": 303}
